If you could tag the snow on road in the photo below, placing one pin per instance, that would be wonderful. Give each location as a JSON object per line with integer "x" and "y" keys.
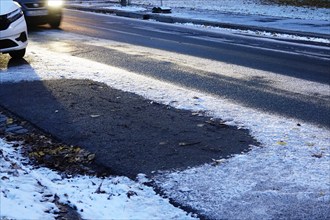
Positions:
{"x": 287, "y": 177}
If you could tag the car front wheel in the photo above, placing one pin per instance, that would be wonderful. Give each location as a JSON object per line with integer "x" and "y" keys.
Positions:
{"x": 55, "y": 23}
{"x": 17, "y": 54}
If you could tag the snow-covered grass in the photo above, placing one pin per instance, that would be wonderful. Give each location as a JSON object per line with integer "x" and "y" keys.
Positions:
{"x": 248, "y": 13}
{"x": 247, "y": 7}
{"x": 288, "y": 177}
{"x": 196, "y": 8}
{"x": 265, "y": 34}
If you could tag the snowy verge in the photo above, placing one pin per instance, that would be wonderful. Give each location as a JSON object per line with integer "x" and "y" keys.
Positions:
{"x": 242, "y": 14}
{"x": 289, "y": 173}
{"x": 265, "y": 34}
{"x": 29, "y": 193}
{"x": 209, "y": 9}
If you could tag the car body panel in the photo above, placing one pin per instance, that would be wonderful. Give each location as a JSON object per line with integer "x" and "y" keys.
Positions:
{"x": 13, "y": 35}
{"x": 6, "y": 7}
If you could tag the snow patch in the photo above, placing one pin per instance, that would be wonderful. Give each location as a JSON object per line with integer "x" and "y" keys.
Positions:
{"x": 28, "y": 193}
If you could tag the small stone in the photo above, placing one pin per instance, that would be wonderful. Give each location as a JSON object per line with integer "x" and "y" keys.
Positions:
{"x": 21, "y": 131}
{"x": 185, "y": 189}
{"x": 95, "y": 116}
{"x": 131, "y": 193}
{"x": 13, "y": 128}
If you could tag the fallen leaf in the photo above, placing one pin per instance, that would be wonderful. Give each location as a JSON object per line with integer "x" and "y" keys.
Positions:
{"x": 10, "y": 121}
{"x": 281, "y": 143}
{"x": 317, "y": 155}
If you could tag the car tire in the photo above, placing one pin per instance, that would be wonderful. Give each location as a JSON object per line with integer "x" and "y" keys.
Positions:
{"x": 17, "y": 54}
{"x": 55, "y": 23}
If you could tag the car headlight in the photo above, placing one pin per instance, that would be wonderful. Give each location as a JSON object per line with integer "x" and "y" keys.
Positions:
{"x": 55, "y": 3}
{"x": 14, "y": 15}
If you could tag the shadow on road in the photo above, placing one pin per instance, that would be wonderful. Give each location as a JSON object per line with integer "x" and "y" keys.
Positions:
{"x": 128, "y": 134}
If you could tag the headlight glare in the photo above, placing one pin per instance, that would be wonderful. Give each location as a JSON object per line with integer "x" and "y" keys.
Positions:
{"x": 55, "y": 3}
{"x": 14, "y": 15}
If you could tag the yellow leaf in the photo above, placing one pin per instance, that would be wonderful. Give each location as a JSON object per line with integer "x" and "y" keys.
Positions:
{"x": 10, "y": 121}
{"x": 281, "y": 143}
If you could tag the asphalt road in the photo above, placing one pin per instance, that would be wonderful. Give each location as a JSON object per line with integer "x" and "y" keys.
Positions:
{"x": 296, "y": 60}
{"x": 131, "y": 135}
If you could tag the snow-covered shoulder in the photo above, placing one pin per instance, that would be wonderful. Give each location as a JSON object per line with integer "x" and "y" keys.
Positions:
{"x": 29, "y": 193}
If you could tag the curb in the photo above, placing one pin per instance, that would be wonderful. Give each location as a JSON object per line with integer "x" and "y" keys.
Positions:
{"x": 7, "y": 126}
{"x": 171, "y": 20}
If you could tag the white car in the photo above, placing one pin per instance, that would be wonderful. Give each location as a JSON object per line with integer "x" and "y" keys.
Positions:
{"x": 13, "y": 30}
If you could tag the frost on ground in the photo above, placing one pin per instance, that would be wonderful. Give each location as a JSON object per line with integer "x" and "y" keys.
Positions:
{"x": 29, "y": 193}
{"x": 265, "y": 34}
{"x": 196, "y": 8}
{"x": 253, "y": 13}
{"x": 288, "y": 177}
